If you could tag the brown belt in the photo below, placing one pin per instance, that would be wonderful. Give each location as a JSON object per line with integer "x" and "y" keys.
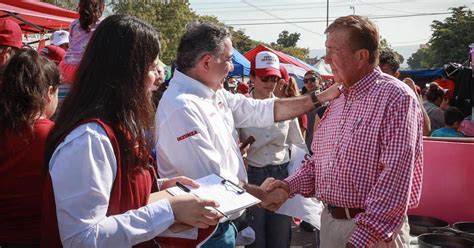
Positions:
{"x": 343, "y": 213}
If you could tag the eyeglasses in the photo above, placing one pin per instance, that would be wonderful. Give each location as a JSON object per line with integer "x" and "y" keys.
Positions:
{"x": 312, "y": 79}
{"x": 273, "y": 79}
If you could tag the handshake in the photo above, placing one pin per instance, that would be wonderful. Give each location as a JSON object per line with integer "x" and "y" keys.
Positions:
{"x": 273, "y": 193}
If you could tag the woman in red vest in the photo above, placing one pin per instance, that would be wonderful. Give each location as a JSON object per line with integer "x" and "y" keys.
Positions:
{"x": 28, "y": 98}
{"x": 100, "y": 175}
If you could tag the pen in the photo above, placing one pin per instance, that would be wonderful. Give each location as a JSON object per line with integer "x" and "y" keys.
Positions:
{"x": 187, "y": 190}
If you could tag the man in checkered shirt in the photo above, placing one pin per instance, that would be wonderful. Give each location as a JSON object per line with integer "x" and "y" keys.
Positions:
{"x": 367, "y": 161}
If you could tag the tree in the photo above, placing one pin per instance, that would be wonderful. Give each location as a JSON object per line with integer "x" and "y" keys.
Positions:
{"x": 418, "y": 59}
{"x": 384, "y": 45}
{"x": 285, "y": 39}
{"x": 450, "y": 39}
{"x": 449, "y": 42}
{"x": 67, "y": 4}
{"x": 169, "y": 17}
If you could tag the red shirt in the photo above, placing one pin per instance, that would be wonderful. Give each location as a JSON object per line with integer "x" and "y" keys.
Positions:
{"x": 21, "y": 178}
{"x": 368, "y": 154}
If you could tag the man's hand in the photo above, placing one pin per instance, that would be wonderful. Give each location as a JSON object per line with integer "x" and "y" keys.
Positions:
{"x": 330, "y": 93}
{"x": 275, "y": 197}
{"x": 410, "y": 84}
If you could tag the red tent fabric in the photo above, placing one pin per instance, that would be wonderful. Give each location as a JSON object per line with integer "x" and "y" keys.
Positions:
{"x": 250, "y": 55}
{"x": 34, "y": 16}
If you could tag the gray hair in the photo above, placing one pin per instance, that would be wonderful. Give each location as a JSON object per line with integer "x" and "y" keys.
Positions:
{"x": 201, "y": 37}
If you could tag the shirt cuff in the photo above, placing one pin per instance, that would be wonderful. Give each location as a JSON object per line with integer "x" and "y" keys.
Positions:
{"x": 293, "y": 185}
{"x": 361, "y": 239}
{"x": 161, "y": 214}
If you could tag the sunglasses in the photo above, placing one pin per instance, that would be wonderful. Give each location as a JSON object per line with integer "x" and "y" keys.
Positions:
{"x": 313, "y": 79}
{"x": 273, "y": 79}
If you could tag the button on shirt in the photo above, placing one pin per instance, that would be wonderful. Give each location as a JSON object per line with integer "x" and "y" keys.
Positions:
{"x": 368, "y": 154}
{"x": 272, "y": 142}
{"x": 196, "y": 129}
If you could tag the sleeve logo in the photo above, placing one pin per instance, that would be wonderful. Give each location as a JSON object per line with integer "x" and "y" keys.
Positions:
{"x": 187, "y": 135}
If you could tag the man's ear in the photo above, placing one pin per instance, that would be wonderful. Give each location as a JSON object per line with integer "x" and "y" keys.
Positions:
{"x": 205, "y": 62}
{"x": 397, "y": 74}
{"x": 363, "y": 55}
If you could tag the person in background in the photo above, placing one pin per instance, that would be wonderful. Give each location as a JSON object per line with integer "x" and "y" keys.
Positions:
{"x": 80, "y": 32}
{"x": 10, "y": 41}
{"x": 60, "y": 38}
{"x": 467, "y": 126}
{"x": 53, "y": 53}
{"x": 28, "y": 98}
{"x": 435, "y": 105}
{"x": 452, "y": 119}
{"x": 99, "y": 176}
{"x": 367, "y": 163}
{"x": 390, "y": 63}
{"x": 269, "y": 156}
{"x": 312, "y": 82}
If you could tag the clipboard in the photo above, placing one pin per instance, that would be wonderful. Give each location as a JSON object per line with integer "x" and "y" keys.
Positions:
{"x": 231, "y": 197}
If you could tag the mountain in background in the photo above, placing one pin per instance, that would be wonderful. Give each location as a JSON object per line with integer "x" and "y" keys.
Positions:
{"x": 405, "y": 51}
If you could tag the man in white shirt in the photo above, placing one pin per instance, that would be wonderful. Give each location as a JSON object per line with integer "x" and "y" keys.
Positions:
{"x": 196, "y": 120}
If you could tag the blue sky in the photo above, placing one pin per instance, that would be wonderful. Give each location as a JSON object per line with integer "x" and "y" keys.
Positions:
{"x": 401, "y": 22}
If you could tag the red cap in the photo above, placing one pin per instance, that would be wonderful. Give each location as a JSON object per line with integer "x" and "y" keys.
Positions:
{"x": 10, "y": 33}
{"x": 54, "y": 53}
{"x": 284, "y": 73}
{"x": 266, "y": 64}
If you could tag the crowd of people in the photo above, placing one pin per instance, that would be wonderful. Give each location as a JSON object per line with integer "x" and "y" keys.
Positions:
{"x": 119, "y": 135}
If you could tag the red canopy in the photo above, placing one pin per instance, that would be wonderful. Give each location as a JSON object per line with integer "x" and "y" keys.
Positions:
{"x": 250, "y": 55}
{"x": 34, "y": 16}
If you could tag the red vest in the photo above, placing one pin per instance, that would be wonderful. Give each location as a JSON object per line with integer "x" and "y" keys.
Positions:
{"x": 21, "y": 180}
{"x": 129, "y": 191}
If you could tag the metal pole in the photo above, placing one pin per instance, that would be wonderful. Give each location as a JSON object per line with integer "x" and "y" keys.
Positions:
{"x": 327, "y": 13}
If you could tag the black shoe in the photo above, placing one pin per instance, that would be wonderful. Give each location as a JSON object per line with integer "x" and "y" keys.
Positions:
{"x": 307, "y": 227}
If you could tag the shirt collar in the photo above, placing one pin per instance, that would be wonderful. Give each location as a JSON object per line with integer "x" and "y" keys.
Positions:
{"x": 192, "y": 85}
{"x": 361, "y": 87}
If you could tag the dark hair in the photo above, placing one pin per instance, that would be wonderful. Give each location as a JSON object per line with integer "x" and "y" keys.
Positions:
{"x": 363, "y": 34}
{"x": 434, "y": 92}
{"x": 24, "y": 90}
{"x": 90, "y": 11}
{"x": 389, "y": 57}
{"x": 110, "y": 85}
{"x": 200, "y": 38}
{"x": 453, "y": 115}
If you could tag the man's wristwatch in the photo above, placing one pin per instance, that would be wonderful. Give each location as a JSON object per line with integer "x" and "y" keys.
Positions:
{"x": 314, "y": 99}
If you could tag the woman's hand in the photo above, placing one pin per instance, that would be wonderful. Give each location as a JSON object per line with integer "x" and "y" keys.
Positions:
{"x": 194, "y": 211}
{"x": 168, "y": 183}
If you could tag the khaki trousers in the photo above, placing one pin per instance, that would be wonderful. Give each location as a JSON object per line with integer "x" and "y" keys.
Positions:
{"x": 336, "y": 233}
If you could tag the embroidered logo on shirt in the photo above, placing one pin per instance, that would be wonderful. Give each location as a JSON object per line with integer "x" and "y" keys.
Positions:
{"x": 185, "y": 136}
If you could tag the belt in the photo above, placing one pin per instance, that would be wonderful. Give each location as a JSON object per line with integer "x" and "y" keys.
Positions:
{"x": 343, "y": 213}
{"x": 270, "y": 167}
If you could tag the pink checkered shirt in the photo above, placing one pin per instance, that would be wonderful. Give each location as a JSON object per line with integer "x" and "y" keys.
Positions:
{"x": 367, "y": 154}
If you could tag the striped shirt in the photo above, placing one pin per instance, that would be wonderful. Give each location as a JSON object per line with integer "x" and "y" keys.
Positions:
{"x": 368, "y": 154}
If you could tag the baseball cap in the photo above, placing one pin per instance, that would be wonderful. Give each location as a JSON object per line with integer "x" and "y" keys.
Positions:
{"x": 60, "y": 37}
{"x": 266, "y": 64}
{"x": 54, "y": 53}
{"x": 10, "y": 33}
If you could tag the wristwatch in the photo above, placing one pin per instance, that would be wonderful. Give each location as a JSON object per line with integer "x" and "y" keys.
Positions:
{"x": 314, "y": 99}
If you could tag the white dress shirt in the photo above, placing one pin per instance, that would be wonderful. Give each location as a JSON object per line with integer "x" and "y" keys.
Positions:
{"x": 272, "y": 142}
{"x": 196, "y": 129}
{"x": 83, "y": 169}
